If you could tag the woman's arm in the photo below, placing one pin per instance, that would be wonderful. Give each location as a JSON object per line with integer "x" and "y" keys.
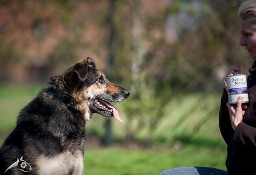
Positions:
{"x": 224, "y": 119}
{"x": 245, "y": 135}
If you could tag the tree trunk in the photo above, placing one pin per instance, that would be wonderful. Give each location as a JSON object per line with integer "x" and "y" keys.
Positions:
{"x": 107, "y": 138}
{"x": 138, "y": 30}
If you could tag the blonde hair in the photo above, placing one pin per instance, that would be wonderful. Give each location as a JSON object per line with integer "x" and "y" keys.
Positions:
{"x": 247, "y": 12}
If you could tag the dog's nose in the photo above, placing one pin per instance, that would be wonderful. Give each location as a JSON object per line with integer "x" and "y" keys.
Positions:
{"x": 126, "y": 93}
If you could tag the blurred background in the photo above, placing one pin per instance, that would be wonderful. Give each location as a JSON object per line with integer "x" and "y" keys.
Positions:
{"x": 170, "y": 54}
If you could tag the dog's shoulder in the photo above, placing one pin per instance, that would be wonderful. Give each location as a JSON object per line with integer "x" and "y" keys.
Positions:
{"x": 51, "y": 110}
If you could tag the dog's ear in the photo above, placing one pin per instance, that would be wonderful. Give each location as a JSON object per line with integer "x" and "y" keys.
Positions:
{"x": 82, "y": 73}
{"x": 91, "y": 63}
{"x": 91, "y": 71}
{"x": 84, "y": 68}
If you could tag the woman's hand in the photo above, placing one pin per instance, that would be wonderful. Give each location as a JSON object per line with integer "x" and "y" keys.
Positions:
{"x": 236, "y": 113}
{"x": 233, "y": 69}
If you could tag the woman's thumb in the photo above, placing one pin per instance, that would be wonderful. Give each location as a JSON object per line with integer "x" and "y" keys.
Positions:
{"x": 239, "y": 103}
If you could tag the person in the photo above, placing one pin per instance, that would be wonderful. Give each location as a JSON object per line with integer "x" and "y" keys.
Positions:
{"x": 238, "y": 122}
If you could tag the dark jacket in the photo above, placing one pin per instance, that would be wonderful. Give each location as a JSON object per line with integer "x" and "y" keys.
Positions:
{"x": 241, "y": 143}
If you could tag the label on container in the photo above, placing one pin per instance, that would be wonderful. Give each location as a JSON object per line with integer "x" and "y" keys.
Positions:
{"x": 237, "y": 86}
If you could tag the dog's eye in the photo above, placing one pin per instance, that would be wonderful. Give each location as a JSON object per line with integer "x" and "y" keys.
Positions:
{"x": 101, "y": 80}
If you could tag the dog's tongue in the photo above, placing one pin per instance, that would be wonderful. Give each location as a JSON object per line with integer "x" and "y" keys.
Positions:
{"x": 116, "y": 114}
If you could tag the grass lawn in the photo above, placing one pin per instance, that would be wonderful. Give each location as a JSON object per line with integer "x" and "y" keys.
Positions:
{"x": 205, "y": 149}
{"x": 133, "y": 162}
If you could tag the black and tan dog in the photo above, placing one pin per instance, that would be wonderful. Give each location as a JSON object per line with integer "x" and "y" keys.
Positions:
{"x": 49, "y": 138}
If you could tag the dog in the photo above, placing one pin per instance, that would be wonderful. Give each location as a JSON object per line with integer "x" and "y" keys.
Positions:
{"x": 49, "y": 137}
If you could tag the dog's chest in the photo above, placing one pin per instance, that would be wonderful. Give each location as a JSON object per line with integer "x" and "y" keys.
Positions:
{"x": 61, "y": 164}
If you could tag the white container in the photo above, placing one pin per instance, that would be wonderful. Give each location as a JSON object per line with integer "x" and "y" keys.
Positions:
{"x": 237, "y": 86}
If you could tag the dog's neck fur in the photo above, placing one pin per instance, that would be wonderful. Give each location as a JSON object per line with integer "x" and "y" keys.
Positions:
{"x": 77, "y": 105}
{"x": 71, "y": 97}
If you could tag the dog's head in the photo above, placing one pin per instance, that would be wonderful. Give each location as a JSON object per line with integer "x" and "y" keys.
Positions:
{"x": 90, "y": 90}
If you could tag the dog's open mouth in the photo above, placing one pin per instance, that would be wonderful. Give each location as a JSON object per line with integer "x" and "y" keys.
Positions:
{"x": 105, "y": 108}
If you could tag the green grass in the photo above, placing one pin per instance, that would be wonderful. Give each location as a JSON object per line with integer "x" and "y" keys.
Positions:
{"x": 12, "y": 100}
{"x": 133, "y": 162}
{"x": 187, "y": 135}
